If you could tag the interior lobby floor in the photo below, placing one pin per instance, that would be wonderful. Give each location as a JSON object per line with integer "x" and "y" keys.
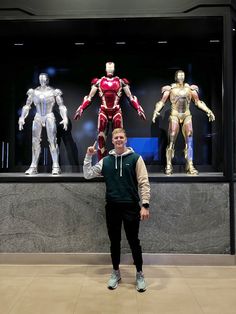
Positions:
{"x": 76, "y": 289}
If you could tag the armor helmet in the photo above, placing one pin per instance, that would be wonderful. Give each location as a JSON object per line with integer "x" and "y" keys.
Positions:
{"x": 43, "y": 79}
{"x": 179, "y": 76}
{"x": 110, "y": 68}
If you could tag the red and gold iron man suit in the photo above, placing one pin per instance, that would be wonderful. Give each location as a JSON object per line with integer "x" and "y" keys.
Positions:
{"x": 110, "y": 91}
{"x": 181, "y": 94}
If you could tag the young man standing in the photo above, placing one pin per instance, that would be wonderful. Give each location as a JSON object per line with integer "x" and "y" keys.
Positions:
{"x": 125, "y": 176}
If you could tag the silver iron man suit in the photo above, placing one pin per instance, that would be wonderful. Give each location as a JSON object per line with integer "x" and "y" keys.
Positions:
{"x": 180, "y": 95}
{"x": 110, "y": 91}
{"x": 44, "y": 98}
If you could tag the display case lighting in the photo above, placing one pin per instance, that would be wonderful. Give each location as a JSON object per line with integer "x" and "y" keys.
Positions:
{"x": 162, "y": 42}
{"x": 18, "y": 44}
{"x": 214, "y": 40}
{"x": 79, "y": 43}
{"x": 120, "y": 43}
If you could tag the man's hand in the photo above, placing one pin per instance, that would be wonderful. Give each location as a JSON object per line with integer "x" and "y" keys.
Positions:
{"x": 91, "y": 150}
{"x": 144, "y": 213}
{"x": 78, "y": 113}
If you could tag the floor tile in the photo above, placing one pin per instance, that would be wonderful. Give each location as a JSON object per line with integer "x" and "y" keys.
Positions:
{"x": 215, "y": 300}
{"x": 152, "y": 301}
{"x": 10, "y": 291}
{"x": 208, "y": 272}
{"x": 62, "y": 271}
{"x": 75, "y": 289}
{"x": 18, "y": 270}
{"x": 49, "y": 295}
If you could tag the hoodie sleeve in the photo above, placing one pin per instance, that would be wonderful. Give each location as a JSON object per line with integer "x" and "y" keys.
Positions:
{"x": 90, "y": 171}
{"x": 143, "y": 182}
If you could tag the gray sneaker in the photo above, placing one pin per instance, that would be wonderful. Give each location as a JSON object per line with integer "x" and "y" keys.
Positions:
{"x": 140, "y": 282}
{"x": 114, "y": 279}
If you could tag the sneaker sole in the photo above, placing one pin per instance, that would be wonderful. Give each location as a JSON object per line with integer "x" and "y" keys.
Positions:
{"x": 141, "y": 290}
{"x": 113, "y": 288}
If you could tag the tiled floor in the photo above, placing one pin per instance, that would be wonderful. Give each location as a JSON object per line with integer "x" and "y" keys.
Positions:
{"x": 82, "y": 289}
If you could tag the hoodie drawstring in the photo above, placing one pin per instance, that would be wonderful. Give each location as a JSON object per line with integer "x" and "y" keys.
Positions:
{"x": 128, "y": 151}
{"x": 121, "y": 166}
{"x": 116, "y": 165}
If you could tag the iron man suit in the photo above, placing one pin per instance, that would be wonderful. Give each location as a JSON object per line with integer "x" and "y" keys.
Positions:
{"x": 44, "y": 98}
{"x": 181, "y": 94}
{"x": 110, "y": 91}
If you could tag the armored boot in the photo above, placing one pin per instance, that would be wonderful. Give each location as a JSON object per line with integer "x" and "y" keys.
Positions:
{"x": 188, "y": 154}
{"x": 31, "y": 171}
{"x": 190, "y": 169}
{"x": 36, "y": 149}
{"x": 54, "y": 150}
{"x": 56, "y": 170}
{"x": 169, "y": 156}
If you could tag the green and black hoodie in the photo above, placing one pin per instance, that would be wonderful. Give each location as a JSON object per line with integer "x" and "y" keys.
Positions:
{"x": 125, "y": 176}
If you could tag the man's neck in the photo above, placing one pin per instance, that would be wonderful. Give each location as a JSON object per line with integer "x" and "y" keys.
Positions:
{"x": 121, "y": 150}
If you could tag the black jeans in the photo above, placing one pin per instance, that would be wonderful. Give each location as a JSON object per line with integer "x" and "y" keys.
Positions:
{"x": 129, "y": 214}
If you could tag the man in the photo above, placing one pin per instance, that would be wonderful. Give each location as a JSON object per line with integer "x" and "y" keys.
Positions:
{"x": 180, "y": 95}
{"x": 124, "y": 172}
{"x": 110, "y": 90}
{"x": 44, "y": 98}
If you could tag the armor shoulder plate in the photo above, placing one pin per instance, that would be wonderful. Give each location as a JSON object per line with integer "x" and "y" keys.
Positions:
{"x": 30, "y": 92}
{"x": 94, "y": 81}
{"x": 194, "y": 87}
{"x": 57, "y": 92}
{"x": 166, "y": 88}
{"x": 125, "y": 81}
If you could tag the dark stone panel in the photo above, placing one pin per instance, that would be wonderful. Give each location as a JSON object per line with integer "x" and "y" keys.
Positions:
{"x": 52, "y": 218}
{"x": 69, "y": 217}
{"x": 188, "y": 218}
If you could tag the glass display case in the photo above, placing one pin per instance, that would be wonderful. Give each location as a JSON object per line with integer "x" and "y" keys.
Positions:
{"x": 146, "y": 51}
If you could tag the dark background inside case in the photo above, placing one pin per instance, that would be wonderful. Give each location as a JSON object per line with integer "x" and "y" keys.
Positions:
{"x": 140, "y": 52}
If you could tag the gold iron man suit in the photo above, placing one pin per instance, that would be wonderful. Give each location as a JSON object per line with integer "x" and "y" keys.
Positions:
{"x": 180, "y": 95}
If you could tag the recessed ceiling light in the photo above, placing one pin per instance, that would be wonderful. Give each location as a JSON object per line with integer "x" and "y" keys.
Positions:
{"x": 79, "y": 43}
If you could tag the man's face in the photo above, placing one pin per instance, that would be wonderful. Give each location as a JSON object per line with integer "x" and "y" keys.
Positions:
{"x": 119, "y": 140}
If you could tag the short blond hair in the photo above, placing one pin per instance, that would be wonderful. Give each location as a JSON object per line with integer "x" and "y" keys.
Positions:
{"x": 118, "y": 130}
